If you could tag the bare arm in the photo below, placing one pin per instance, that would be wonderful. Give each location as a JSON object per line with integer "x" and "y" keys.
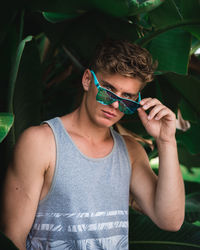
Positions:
{"x": 23, "y": 185}
{"x": 170, "y": 185}
{"x": 162, "y": 198}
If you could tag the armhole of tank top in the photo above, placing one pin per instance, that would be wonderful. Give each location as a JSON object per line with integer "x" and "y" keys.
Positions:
{"x": 56, "y": 164}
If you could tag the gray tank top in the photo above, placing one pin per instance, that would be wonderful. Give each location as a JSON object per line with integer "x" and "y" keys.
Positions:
{"x": 87, "y": 204}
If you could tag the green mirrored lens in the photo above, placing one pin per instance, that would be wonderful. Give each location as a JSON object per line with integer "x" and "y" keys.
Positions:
{"x": 107, "y": 97}
{"x": 103, "y": 97}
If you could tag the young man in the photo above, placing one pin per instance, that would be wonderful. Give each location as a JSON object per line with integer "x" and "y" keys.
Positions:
{"x": 69, "y": 181}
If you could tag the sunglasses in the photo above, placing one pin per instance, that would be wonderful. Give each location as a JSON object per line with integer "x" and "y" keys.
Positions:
{"x": 107, "y": 97}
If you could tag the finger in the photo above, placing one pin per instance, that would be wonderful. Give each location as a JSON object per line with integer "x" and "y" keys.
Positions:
{"x": 150, "y": 103}
{"x": 165, "y": 113}
{"x": 144, "y": 100}
{"x": 155, "y": 110}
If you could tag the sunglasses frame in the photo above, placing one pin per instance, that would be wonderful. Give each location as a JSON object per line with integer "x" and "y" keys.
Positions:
{"x": 117, "y": 98}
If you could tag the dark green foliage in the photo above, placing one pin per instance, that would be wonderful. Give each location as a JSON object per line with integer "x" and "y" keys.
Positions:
{"x": 44, "y": 47}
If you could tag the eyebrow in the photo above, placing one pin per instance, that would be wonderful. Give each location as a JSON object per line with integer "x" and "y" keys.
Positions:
{"x": 114, "y": 89}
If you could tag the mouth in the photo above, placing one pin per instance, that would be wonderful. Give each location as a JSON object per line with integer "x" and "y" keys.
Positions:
{"x": 109, "y": 114}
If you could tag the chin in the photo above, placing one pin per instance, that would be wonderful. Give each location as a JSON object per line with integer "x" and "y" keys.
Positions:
{"x": 106, "y": 123}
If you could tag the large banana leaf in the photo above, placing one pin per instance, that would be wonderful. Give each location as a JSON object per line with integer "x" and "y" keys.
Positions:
{"x": 28, "y": 89}
{"x": 14, "y": 71}
{"x": 191, "y": 10}
{"x": 188, "y": 87}
{"x": 172, "y": 14}
{"x": 144, "y": 234}
{"x": 160, "y": 20}
{"x": 6, "y": 19}
{"x": 25, "y": 89}
{"x": 190, "y": 138}
{"x": 100, "y": 26}
{"x": 8, "y": 46}
{"x": 171, "y": 50}
{"x": 193, "y": 207}
{"x": 6, "y": 121}
{"x": 186, "y": 158}
{"x": 120, "y": 8}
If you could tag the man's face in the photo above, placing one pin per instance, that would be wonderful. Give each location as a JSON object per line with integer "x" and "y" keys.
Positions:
{"x": 125, "y": 87}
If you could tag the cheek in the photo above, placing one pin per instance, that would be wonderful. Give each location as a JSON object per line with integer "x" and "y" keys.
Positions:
{"x": 120, "y": 115}
{"x": 92, "y": 92}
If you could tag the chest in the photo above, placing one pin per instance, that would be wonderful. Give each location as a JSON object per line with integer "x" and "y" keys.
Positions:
{"x": 91, "y": 149}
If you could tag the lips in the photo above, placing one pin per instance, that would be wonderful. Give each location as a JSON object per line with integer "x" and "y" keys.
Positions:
{"x": 109, "y": 114}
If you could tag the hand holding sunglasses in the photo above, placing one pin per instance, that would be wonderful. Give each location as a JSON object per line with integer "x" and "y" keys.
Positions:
{"x": 160, "y": 122}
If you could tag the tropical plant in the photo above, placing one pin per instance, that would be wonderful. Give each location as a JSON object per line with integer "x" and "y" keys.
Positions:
{"x": 44, "y": 48}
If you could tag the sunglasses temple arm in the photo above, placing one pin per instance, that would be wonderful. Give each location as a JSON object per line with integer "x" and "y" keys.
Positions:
{"x": 95, "y": 79}
{"x": 139, "y": 97}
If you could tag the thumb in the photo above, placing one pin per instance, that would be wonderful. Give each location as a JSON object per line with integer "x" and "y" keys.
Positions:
{"x": 143, "y": 116}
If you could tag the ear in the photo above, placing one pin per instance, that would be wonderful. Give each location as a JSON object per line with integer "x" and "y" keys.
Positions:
{"x": 86, "y": 79}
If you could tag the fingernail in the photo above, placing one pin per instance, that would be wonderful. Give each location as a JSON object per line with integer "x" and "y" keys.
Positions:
{"x": 145, "y": 107}
{"x": 149, "y": 117}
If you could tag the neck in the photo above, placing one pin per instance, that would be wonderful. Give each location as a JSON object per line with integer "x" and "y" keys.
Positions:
{"x": 84, "y": 126}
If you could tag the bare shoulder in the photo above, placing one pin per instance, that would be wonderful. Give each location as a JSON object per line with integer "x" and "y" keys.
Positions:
{"x": 135, "y": 149}
{"x": 36, "y": 134}
{"x": 34, "y": 145}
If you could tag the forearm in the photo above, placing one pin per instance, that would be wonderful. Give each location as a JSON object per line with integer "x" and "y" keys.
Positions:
{"x": 170, "y": 193}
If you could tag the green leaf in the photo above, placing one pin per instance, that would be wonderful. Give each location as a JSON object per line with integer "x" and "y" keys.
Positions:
{"x": 166, "y": 93}
{"x": 58, "y": 17}
{"x": 187, "y": 86}
{"x": 120, "y": 8}
{"x": 100, "y": 25}
{"x": 6, "y": 243}
{"x": 190, "y": 138}
{"x": 191, "y": 174}
{"x": 6, "y": 122}
{"x": 60, "y": 6}
{"x": 187, "y": 111}
{"x": 197, "y": 223}
{"x": 166, "y": 14}
{"x": 185, "y": 157}
{"x": 192, "y": 207}
{"x": 27, "y": 94}
{"x": 191, "y": 11}
{"x": 14, "y": 71}
{"x": 144, "y": 234}
{"x": 126, "y": 8}
{"x": 6, "y": 19}
{"x": 195, "y": 45}
{"x": 171, "y": 49}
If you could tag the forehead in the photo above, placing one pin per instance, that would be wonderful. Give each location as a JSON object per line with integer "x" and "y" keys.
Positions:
{"x": 121, "y": 83}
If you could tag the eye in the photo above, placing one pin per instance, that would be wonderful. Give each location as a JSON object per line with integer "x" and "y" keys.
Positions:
{"x": 129, "y": 96}
{"x": 107, "y": 86}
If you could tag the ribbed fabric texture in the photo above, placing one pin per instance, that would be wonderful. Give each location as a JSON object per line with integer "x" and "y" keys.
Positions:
{"x": 87, "y": 204}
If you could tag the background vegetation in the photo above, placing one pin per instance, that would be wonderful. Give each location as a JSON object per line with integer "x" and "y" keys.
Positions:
{"x": 44, "y": 47}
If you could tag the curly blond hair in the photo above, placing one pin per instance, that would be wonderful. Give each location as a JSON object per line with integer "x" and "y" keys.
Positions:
{"x": 124, "y": 58}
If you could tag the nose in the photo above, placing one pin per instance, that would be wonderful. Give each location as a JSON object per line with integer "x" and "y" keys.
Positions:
{"x": 115, "y": 104}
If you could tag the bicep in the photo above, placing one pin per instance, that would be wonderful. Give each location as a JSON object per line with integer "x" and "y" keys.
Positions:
{"x": 21, "y": 192}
